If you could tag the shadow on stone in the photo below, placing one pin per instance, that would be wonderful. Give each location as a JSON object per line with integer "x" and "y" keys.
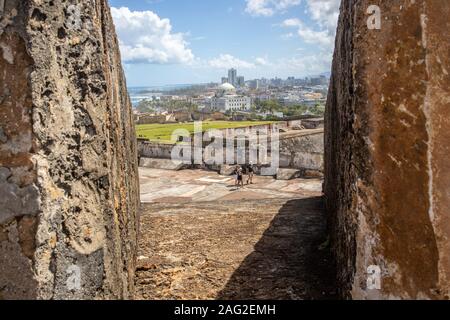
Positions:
{"x": 290, "y": 261}
{"x": 17, "y": 246}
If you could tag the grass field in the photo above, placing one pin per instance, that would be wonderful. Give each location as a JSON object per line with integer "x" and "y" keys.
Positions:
{"x": 163, "y": 132}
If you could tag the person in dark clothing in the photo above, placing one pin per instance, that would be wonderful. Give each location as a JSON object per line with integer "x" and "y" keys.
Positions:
{"x": 250, "y": 174}
{"x": 236, "y": 176}
{"x": 240, "y": 177}
{"x": 244, "y": 172}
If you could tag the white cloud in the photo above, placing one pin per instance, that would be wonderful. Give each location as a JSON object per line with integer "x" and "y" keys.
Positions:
{"x": 291, "y": 23}
{"x": 259, "y": 8}
{"x": 146, "y": 38}
{"x": 300, "y": 64}
{"x": 307, "y": 64}
{"x": 260, "y": 61}
{"x": 267, "y": 8}
{"x": 325, "y": 14}
{"x": 225, "y": 61}
{"x": 322, "y": 37}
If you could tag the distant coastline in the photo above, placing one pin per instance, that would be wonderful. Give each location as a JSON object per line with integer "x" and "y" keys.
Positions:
{"x": 138, "y": 94}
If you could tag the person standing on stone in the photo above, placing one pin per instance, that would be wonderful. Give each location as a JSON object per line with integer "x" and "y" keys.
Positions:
{"x": 240, "y": 178}
{"x": 250, "y": 172}
{"x": 244, "y": 174}
{"x": 236, "y": 176}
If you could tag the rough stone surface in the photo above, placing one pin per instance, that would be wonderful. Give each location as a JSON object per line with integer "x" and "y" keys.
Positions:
{"x": 298, "y": 149}
{"x": 161, "y": 164}
{"x": 288, "y": 174}
{"x": 195, "y": 185}
{"x": 227, "y": 170}
{"x": 313, "y": 174}
{"x": 203, "y": 238}
{"x": 387, "y": 169}
{"x": 68, "y": 161}
{"x": 302, "y": 150}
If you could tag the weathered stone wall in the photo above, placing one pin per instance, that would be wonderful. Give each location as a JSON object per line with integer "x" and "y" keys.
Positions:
{"x": 149, "y": 149}
{"x": 387, "y": 149}
{"x": 301, "y": 150}
{"x": 68, "y": 156}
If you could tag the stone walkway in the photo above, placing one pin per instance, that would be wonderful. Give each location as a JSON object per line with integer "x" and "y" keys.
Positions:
{"x": 202, "y": 239}
{"x": 162, "y": 186}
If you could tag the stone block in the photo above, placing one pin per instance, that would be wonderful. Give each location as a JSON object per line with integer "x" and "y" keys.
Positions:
{"x": 227, "y": 170}
{"x": 69, "y": 191}
{"x": 288, "y": 174}
{"x": 163, "y": 164}
{"x": 387, "y": 172}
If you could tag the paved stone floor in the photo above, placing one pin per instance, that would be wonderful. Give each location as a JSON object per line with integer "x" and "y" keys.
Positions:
{"x": 203, "y": 239}
{"x": 199, "y": 186}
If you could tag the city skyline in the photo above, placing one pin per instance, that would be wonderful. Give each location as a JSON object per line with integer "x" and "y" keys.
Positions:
{"x": 224, "y": 79}
{"x": 166, "y": 42}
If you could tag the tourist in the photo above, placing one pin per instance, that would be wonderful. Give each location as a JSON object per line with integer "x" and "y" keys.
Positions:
{"x": 250, "y": 172}
{"x": 244, "y": 173}
{"x": 240, "y": 178}
{"x": 236, "y": 176}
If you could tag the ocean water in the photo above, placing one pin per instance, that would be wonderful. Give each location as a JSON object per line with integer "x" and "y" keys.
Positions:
{"x": 138, "y": 94}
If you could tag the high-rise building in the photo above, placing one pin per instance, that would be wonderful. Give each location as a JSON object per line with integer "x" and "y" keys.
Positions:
{"x": 290, "y": 81}
{"x": 277, "y": 82}
{"x": 254, "y": 84}
{"x": 232, "y": 77}
{"x": 240, "y": 81}
{"x": 224, "y": 80}
{"x": 319, "y": 81}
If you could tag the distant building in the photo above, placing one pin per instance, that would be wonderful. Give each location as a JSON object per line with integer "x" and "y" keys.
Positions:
{"x": 254, "y": 84}
{"x": 290, "y": 100}
{"x": 301, "y": 82}
{"x": 233, "y": 103}
{"x": 224, "y": 80}
{"x": 240, "y": 81}
{"x": 290, "y": 81}
{"x": 276, "y": 82}
{"x": 271, "y": 114}
{"x": 227, "y": 100}
{"x": 319, "y": 81}
{"x": 264, "y": 97}
{"x": 232, "y": 77}
{"x": 150, "y": 119}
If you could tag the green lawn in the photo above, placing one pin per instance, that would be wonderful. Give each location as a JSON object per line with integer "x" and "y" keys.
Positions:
{"x": 163, "y": 132}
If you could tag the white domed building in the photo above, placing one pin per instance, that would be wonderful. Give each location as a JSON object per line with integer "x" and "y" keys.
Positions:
{"x": 227, "y": 88}
{"x": 226, "y": 99}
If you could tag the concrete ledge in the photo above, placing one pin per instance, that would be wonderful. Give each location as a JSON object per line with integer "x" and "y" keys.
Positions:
{"x": 164, "y": 164}
{"x": 313, "y": 174}
{"x": 227, "y": 170}
{"x": 289, "y": 174}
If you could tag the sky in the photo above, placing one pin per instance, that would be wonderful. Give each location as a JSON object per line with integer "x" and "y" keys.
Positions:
{"x": 168, "y": 42}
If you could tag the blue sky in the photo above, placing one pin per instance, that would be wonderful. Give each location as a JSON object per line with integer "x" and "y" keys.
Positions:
{"x": 167, "y": 42}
